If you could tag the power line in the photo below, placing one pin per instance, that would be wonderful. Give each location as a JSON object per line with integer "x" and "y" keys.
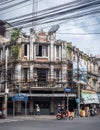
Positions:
{"x": 17, "y": 9}
{"x": 59, "y": 8}
{"x": 41, "y": 11}
{"x": 44, "y": 18}
{"x": 15, "y": 4}
{"x": 82, "y": 26}
{"x": 6, "y": 2}
{"x": 56, "y": 14}
{"x": 51, "y": 21}
{"x": 80, "y": 33}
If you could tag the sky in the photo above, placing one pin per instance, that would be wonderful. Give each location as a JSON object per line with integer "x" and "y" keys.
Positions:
{"x": 89, "y": 44}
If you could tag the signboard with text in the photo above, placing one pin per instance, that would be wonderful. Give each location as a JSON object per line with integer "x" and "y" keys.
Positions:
{"x": 20, "y": 97}
{"x": 67, "y": 90}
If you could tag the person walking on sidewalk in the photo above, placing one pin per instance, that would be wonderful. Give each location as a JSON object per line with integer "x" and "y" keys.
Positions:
{"x": 37, "y": 110}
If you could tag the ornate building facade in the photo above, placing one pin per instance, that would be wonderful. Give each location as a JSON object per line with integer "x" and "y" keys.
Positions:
{"x": 43, "y": 68}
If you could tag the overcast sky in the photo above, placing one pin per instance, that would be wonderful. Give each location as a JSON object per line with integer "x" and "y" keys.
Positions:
{"x": 91, "y": 24}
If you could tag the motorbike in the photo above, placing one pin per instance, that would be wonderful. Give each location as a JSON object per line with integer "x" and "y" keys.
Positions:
{"x": 63, "y": 115}
{"x": 93, "y": 112}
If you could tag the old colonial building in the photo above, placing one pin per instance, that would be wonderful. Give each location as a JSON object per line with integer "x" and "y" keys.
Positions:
{"x": 43, "y": 68}
{"x": 40, "y": 72}
{"x": 85, "y": 76}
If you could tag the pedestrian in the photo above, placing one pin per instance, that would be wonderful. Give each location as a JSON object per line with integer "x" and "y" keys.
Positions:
{"x": 37, "y": 110}
{"x": 59, "y": 108}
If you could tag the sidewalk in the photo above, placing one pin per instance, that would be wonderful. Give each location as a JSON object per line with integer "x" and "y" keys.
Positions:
{"x": 33, "y": 117}
{"x": 36, "y": 117}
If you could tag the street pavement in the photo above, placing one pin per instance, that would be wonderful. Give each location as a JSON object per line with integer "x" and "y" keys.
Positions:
{"x": 28, "y": 117}
{"x": 34, "y": 117}
{"x": 47, "y": 122}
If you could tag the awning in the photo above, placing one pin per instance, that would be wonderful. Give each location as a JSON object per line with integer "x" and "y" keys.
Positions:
{"x": 48, "y": 95}
{"x": 98, "y": 97}
{"x": 90, "y": 97}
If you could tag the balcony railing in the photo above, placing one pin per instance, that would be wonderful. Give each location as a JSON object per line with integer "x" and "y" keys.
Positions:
{"x": 37, "y": 84}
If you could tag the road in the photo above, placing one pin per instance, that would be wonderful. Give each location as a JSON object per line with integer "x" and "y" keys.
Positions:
{"x": 88, "y": 123}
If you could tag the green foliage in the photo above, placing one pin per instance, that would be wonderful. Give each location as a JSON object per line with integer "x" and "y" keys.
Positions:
{"x": 14, "y": 45}
{"x": 85, "y": 57}
{"x": 15, "y": 35}
{"x": 15, "y": 50}
{"x": 68, "y": 51}
{"x": 69, "y": 45}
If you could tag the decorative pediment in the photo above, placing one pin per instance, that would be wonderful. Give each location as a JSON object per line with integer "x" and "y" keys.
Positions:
{"x": 41, "y": 36}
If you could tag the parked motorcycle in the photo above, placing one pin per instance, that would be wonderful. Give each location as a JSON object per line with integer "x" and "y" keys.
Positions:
{"x": 93, "y": 112}
{"x": 64, "y": 115}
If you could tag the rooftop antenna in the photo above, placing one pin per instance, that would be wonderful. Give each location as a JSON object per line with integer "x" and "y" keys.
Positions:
{"x": 53, "y": 29}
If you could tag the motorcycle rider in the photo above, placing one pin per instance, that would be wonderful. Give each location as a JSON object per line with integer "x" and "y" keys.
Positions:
{"x": 63, "y": 109}
{"x": 59, "y": 108}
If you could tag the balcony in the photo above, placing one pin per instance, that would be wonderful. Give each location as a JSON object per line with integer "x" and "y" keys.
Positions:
{"x": 36, "y": 85}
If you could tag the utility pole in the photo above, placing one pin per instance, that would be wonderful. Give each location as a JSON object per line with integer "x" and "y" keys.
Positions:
{"x": 5, "y": 85}
{"x": 78, "y": 86}
{"x": 34, "y": 12}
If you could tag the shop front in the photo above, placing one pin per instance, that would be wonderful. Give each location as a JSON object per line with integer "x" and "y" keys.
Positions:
{"x": 90, "y": 101}
{"x": 48, "y": 103}
{"x": 89, "y": 97}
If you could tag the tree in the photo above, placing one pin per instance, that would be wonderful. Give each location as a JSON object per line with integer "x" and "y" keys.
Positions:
{"x": 14, "y": 45}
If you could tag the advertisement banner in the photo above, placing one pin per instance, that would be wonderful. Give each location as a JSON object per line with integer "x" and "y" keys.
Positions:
{"x": 82, "y": 70}
{"x": 89, "y": 98}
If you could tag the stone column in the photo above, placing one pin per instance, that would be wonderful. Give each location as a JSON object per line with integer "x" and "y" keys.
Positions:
{"x": 52, "y": 106}
{"x": 52, "y": 48}
{"x": 52, "y": 72}
{"x": 31, "y": 72}
{"x": 32, "y": 40}
{"x": 18, "y": 107}
{"x": 18, "y": 72}
{"x": 31, "y": 110}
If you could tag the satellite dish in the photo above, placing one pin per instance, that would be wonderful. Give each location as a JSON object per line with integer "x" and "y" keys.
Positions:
{"x": 53, "y": 29}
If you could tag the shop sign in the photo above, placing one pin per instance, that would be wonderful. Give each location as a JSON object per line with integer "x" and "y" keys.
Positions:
{"x": 20, "y": 97}
{"x": 77, "y": 100}
{"x": 67, "y": 90}
{"x": 89, "y": 98}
